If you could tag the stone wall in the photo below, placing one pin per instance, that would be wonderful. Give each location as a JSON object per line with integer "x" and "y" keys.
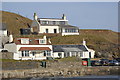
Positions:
{"x": 6, "y": 55}
{"x": 60, "y": 72}
{"x": 55, "y": 69}
{"x": 16, "y": 65}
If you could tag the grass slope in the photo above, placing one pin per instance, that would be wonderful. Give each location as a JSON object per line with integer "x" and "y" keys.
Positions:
{"x": 14, "y": 21}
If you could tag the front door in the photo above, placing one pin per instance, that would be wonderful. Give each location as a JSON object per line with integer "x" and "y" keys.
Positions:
{"x": 89, "y": 54}
{"x": 55, "y": 30}
{"x": 46, "y": 30}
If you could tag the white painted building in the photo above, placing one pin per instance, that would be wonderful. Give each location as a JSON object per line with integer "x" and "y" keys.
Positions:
{"x": 53, "y": 25}
{"x": 3, "y": 35}
{"x": 41, "y": 48}
{"x": 61, "y": 51}
{"x": 30, "y": 48}
{"x": 3, "y": 29}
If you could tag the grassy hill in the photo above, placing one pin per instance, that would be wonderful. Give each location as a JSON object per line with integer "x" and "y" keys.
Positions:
{"x": 104, "y": 42}
{"x": 14, "y": 21}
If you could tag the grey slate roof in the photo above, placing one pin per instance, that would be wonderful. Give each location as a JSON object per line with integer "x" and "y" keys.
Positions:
{"x": 62, "y": 26}
{"x": 51, "y": 18}
{"x": 68, "y": 48}
{"x": 2, "y": 26}
{"x": 68, "y": 26}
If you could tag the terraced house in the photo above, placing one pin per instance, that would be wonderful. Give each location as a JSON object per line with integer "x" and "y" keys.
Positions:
{"x": 29, "y": 48}
{"x": 53, "y": 25}
{"x": 41, "y": 48}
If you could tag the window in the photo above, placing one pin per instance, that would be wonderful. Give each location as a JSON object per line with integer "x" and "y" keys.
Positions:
{"x": 66, "y": 30}
{"x": 73, "y": 53}
{"x": 46, "y": 30}
{"x": 81, "y": 54}
{"x": 25, "y": 53}
{"x": 60, "y": 54}
{"x": 44, "y": 22}
{"x": 47, "y": 53}
{"x": 33, "y": 53}
{"x": 24, "y": 41}
{"x": 41, "y": 41}
{"x": 50, "y": 22}
{"x": 54, "y": 22}
{"x": 62, "y": 22}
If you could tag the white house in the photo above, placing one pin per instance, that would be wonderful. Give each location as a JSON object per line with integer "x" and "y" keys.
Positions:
{"x": 3, "y": 29}
{"x": 61, "y": 51}
{"x": 30, "y": 48}
{"x": 41, "y": 48}
{"x": 3, "y": 35}
{"x": 53, "y": 25}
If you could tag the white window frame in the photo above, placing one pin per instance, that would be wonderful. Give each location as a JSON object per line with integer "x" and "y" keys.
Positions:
{"x": 25, "y": 53}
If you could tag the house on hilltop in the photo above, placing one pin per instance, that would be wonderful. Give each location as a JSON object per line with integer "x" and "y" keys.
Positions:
{"x": 53, "y": 25}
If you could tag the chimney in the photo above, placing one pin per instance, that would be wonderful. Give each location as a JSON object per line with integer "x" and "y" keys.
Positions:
{"x": 44, "y": 37}
{"x": 35, "y": 16}
{"x": 64, "y": 17}
{"x": 10, "y": 38}
{"x": 84, "y": 42}
{"x": 49, "y": 40}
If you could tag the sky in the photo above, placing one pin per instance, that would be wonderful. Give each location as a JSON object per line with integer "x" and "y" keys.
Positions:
{"x": 85, "y": 15}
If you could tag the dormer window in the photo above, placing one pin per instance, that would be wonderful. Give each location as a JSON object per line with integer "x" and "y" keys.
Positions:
{"x": 24, "y": 41}
{"x": 42, "y": 41}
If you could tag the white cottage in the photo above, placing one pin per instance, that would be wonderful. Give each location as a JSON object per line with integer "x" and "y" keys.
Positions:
{"x": 30, "y": 48}
{"x": 3, "y": 30}
{"x": 53, "y": 25}
{"x": 3, "y": 35}
{"x": 61, "y": 51}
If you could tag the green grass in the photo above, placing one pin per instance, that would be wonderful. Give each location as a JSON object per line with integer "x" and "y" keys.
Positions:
{"x": 68, "y": 59}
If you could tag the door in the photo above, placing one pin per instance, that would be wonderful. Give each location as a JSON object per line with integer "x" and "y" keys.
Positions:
{"x": 89, "y": 54}
{"x": 46, "y": 30}
{"x": 55, "y": 30}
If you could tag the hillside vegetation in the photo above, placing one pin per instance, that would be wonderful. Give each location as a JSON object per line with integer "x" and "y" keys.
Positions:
{"x": 14, "y": 21}
{"x": 104, "y": 42}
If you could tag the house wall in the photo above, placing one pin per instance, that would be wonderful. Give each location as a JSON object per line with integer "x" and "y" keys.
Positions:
{"x": 36, "y": 24}
{"x": 18, "y": 55}
{"x": 85, "y": 54}
{"x": 92, "y": 53}
{"x": 55, "y": 54}
{"x": 11, "y": 47}
{"x": 3, "y": 32}
{"x": 50, "y": 29}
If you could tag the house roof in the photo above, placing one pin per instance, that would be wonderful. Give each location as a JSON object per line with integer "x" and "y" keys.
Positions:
{"x": 2, "y": 26}
{"x": 62, "y": 26}
{"x": 51, "y": 18}
{"x": 71, "y": 49}
{"x": 32, "y": 41}
{"x": 34, "y": 48}
{"x": 68, "y": 48}
{"x": 68, "y": 26}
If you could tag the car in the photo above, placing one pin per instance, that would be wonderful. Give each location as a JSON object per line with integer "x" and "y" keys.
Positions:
{"x": 4, "y": 51}
{"x": 113, "y": 63}
{"x": 104, "y": 62}
{"x": 95, "y": 63}
{"x": 118, "y": 59}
